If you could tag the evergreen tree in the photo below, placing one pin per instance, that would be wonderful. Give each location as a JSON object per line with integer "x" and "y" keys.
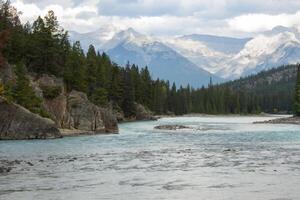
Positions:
{"x": 129, "y": 94}
{"x": 100, "y": 97}
{"x": 74, "y": 70}
{"x": 91, "y": 69}
{"x": 23, "y": 93}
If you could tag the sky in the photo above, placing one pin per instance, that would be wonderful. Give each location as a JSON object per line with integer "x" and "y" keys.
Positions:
{"x": 239, "y": 18}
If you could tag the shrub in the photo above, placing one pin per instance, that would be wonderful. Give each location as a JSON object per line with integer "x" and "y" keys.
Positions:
{"x": 51, "y": 92}
{"x": 1, "y": 89}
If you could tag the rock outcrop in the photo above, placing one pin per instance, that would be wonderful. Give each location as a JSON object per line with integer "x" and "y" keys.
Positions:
{"x": 7, "y": 73}
{"x": 109, "y": 120}
{"x": 56, "y": 106}
{"x": 142, "y": 113}
{"x": 73, "y": 110}
{"x": 84, "y": 115}
{"x": 17, "y": 123}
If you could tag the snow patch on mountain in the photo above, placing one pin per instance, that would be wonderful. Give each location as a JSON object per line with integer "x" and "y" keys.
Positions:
{"x": 225, "y": 57}
{"x": 261, "y": 53}
{"x": 198, "y": 53}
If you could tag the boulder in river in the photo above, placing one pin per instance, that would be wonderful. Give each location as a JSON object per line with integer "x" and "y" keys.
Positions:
{"x": 171, "y": 127}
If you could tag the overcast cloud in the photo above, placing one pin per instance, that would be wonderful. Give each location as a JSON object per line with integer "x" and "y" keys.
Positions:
{"x": 168, "y": 17}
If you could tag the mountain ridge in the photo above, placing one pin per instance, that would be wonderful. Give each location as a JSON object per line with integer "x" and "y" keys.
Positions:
{"x": 224, "y": 58}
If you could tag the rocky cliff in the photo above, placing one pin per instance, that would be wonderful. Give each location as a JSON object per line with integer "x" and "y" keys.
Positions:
{"x": 17, "y": 123}
{"x": 69, "y": 111}
{"x": 86, "y": 116}
{"x": 73, "y": 110}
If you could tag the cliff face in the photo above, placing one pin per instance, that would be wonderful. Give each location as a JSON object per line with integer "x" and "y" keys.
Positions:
{"x": 17, "y": 123}
{"x": 86, "y": 116}
{"x": 73, "y": 110}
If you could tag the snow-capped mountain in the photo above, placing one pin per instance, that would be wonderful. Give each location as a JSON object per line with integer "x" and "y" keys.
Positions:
{"x": 198, "y": 53}
{"x": 193, "y": 58}
{"x": 225, "y": 45}
{"x": 162, "y": 61}
{"x": 268, "y": 50}
{"x": 97, "y": 38}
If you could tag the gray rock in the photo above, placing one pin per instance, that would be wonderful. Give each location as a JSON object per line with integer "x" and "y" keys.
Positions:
{"x": 110, "y": 120}
{"x": 7, "y": 73}
{"x": 286, "y": 120}
{"x": 5, "y": 169}
{"x": 84, "y": 114}
{"x": 171, "y": 127}
{"x": 18, "y": 123}
{"x": 56, "y": 107}
{"x": 142, "y": 113}
{"x": 119, "y": 115}
{"x": 74, "y": 111}
{"x": 87, "y": 116}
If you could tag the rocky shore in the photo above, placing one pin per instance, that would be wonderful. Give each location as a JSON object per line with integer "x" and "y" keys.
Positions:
{"x": 286, "y": 120}
{"x": 18, "y": 123}
{"x": 70, "y": 113}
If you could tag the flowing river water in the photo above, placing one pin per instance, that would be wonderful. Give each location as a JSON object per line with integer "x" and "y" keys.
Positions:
{"x": 220, "y": 158}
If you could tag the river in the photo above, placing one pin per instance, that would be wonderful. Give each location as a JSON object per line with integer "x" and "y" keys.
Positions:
{"x": 220, "y": 158}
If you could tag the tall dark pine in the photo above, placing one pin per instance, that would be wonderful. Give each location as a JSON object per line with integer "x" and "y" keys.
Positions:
{"x": 297, "y": 94}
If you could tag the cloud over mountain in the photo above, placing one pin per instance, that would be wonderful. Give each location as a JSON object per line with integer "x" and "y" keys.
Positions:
{"x": 169, "y": 17}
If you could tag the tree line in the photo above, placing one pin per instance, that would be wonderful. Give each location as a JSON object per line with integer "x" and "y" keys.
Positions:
{"x": 297, "y": 93}
{"x": 44, "y": 47}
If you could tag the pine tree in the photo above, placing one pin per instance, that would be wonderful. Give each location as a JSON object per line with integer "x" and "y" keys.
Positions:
{"x": 129, "y": 94}
{"x": 116, "y": 86}
{"x": 297, "y": 93}
{"x": 23, "y": 93}
{"x": 91, "y": 70}
{"x": 100, "y": 97}
{"x": 74, "y": 69}
{"x": 146, "y": 86}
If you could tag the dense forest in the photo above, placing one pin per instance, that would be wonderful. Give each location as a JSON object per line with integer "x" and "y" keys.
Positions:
{"x": 44, "y": 47}
{"x": 274, "y": 89}
{"x": 297, "y": 93}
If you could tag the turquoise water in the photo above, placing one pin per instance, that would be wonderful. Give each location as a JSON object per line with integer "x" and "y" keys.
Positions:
{"x": 218, "y": 158}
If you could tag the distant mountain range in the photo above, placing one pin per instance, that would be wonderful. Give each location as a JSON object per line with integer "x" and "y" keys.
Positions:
{"x": 193, "y": 59}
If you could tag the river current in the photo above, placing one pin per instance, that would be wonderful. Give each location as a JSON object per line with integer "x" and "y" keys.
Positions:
{"x": 219, "y": 158}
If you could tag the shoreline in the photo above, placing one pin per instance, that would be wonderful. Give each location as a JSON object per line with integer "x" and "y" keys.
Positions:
{"x": 229, "y": 115}
{"x": 286, "y": 120}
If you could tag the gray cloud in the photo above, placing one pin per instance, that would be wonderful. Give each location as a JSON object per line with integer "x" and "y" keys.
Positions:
{"x": 169, "y": 17}
{"x": 43, "y": 3}
{"x": 86, "y": 15}
{"x": 204, "y": 8}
